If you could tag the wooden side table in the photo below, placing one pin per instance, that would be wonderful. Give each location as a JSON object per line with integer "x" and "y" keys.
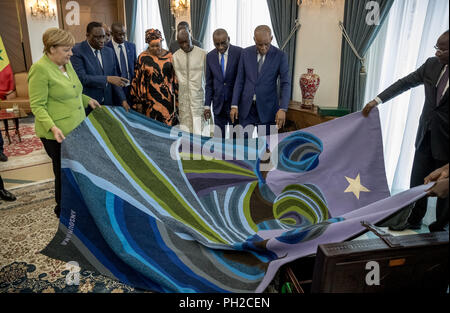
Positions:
{"x": 6, "y": 116}
{"x": 301, "y": 118}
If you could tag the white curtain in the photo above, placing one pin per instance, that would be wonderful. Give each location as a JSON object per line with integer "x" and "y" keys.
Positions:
{"x": 147, "y": 16}
{"x": 404, "y": 43}
{"x": 239, "y": 18}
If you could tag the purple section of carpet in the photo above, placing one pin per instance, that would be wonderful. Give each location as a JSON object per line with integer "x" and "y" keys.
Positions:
{"x": 352, "y": 146}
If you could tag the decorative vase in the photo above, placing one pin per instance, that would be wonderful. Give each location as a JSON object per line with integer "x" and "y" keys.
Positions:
{"x": 309, "y": 83}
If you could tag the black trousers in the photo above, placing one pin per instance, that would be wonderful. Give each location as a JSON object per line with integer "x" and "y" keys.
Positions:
{"x": 423, "y": 165}
{"x": 53, "y": 149}
{"x": 1, "y": 183}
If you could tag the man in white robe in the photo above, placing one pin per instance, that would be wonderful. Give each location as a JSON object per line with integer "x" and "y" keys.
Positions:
{"x": 189, "y": 63}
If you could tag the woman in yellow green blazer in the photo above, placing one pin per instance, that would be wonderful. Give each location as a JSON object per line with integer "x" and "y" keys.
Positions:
{"x": 56, "y": 98}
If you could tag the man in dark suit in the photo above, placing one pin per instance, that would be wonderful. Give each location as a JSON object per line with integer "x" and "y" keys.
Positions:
{"x": 96, "y": 68}
{"x": 432, "y": 150}
{"x": 125, "y": 53}
{"x": 221, "y": 71}
{"x": 255, "y": 97}
{"x": 174, "y": 45}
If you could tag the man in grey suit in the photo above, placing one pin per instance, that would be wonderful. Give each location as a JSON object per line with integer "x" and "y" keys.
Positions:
{"x": 432, "y": 149}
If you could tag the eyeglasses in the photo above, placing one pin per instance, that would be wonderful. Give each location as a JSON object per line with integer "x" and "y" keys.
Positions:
{"x": 440, "y": 50}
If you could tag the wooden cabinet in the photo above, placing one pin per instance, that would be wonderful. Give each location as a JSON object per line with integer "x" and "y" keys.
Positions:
{"x": 298, "y": 118}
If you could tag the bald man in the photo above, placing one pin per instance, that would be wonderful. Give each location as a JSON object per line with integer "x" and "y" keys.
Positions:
{"x": 221, "y": 71}
{"x": 189, "y": 64}
{"x": 255, "y": 97}
{"x": 174, "y": 46}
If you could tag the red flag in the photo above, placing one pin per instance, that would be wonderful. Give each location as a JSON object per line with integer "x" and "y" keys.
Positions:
{"x": 6, "y": 73}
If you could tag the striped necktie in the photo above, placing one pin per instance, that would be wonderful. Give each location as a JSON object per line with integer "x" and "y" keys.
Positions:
{"x": 260, "y": 63}
{"x": 441, "y": 86}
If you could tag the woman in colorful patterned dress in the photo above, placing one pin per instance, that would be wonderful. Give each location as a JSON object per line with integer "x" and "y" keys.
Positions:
{"x": 154, "y": 84}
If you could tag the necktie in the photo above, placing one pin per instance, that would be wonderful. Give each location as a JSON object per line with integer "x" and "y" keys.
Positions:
{"x": 98, "y": 60}
{"x": 441, "y": 86}
{"x": 260, "y": 63}
{"x": 123, "y": 63}
{"x": 222, "y": 65}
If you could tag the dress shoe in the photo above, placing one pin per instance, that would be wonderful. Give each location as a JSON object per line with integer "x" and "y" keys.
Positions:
{"x": 6, "y": 195}
{"x": 406, "y": 225}
{"x": 435, "y": 227}
{"x": 3, "y": 158}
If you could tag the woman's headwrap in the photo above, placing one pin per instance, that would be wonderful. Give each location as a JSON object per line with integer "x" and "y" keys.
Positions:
{"x": 152, "y": 34}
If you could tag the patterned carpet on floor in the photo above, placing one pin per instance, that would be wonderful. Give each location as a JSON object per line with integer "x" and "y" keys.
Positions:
{"x": 26, "y": 227}
{"x": 26, "y": 152}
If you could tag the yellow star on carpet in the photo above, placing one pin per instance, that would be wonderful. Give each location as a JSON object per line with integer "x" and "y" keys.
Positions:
{"x": 355, "y": 186}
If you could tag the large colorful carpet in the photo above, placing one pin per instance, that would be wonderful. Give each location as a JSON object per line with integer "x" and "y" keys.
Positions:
{"x": 26, "y": 227}
{"x": 167, "y": 211}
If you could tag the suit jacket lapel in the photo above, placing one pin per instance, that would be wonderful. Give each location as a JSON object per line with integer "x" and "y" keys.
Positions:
{"x": 229, "y": 60}
{"x": 444, "y": 98}
{"x": 128, "y": 51}
{"x": 254, "y": 62}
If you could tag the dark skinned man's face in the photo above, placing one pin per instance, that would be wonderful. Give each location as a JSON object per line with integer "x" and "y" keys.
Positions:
{"x": 118, "y": 34}
{"x": 97, "y": 38}
{"x": 442, "y": 46}
{"x": 185, "y": 41}
{"x": 221, "y": 42}
{"x": 263, "y": 41}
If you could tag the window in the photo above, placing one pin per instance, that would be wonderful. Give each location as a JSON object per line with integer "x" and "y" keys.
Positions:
{"x": 239, "y": 18}
{"x": 147, "y": 16}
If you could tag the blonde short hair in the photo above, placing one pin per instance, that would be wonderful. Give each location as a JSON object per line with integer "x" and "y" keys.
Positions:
{"x": 54, "y": 37}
